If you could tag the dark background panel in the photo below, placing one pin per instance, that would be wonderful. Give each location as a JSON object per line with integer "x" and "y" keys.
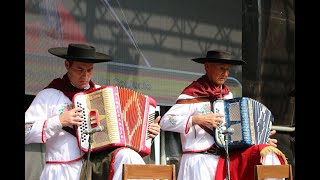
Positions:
{"x": 269, "y": 76}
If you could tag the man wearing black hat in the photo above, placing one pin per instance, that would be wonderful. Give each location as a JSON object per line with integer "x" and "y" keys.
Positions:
{"x": 50, "y": 118}
{"x": 192, "y": 117}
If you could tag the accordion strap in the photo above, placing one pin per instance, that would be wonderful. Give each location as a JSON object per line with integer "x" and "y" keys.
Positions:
{"x": 209, "y": 131}
{"x": 197, "y": 100}
{"x": 70, "y": 130}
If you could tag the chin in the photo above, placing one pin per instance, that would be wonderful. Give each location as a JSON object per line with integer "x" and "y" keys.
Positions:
{"x": 220, "y": 83}
{"x": 84, "y": 87}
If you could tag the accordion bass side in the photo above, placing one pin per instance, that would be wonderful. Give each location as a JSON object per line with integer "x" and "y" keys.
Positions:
{"x": 250, "y": 120}
{"x": 125, "y": 115}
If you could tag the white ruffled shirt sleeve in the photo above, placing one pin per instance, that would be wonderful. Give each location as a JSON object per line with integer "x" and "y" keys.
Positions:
{"x": 41, "y": 119}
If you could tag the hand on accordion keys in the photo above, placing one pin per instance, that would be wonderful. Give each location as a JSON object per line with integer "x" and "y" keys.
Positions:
{"x": 210, "y": 120}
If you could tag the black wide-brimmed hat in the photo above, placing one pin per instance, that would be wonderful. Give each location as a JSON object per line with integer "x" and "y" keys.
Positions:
{"x": 219, "y": 57}
{"x": 80, "y": 52}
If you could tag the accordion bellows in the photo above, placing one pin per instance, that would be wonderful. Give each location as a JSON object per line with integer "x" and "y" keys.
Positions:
{"x": 125, "y": 115}
{"x": 250, "y": 120}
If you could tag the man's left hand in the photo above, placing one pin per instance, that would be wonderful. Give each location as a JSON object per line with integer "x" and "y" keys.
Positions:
{"x": 272, "y": 142}
{"x": 154, "y": 128}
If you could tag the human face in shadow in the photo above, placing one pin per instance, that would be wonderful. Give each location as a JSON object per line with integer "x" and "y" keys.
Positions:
{"x": 79, "y": 73}
{"x": 217, "y": 72}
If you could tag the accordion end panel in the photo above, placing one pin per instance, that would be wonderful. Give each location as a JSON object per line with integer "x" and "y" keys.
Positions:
{"x": 150, "y": 115}
{"x": 219, "y": 106}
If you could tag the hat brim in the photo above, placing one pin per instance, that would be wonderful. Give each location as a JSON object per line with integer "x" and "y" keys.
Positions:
{"x": 217, "y": 60}
{"x": 62, "y": 52}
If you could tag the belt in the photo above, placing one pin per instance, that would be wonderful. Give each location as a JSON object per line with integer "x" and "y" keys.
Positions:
{"x": 213, "y": 150}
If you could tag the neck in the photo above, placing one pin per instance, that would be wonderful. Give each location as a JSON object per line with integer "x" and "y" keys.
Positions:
{"x": 85, "y": 88}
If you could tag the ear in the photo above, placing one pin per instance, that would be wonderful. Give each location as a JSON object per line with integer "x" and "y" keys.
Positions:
{"x": 206, "y": 66}
{"x": 66, "y": 64}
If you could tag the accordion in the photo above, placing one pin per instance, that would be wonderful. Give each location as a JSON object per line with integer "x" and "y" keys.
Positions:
{"x": 249, "y": 120}
{"x": 124, "y": 114}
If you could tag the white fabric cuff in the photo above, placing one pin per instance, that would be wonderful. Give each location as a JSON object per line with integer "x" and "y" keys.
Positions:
{"x": 54, "y": 123}
{"x": 52, "y": 126}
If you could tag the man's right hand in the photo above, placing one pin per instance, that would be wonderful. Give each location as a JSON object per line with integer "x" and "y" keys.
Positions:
{"x": 209, "y": 120}
{"x": 72, "y": 117}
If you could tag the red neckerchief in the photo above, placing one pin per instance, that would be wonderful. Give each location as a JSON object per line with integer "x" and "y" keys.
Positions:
{"x": 64, "y": 85}
{"x": 203, "y": 87}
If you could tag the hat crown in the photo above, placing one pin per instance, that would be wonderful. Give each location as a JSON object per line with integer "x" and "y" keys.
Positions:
{"x": 81, "y": 50}
{"x": 219, "y": 55}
